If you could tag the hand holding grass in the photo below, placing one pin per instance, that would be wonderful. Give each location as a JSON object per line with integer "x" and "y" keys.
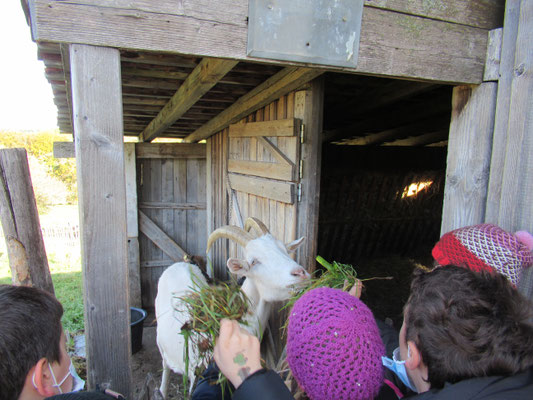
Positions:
{"x": 237, "y": 353}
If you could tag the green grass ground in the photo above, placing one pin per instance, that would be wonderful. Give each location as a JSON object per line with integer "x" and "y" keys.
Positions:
{"x": 64, "y": 261}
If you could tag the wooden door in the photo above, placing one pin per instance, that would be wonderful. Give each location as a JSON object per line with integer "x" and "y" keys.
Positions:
{"x": 172, "y": 208}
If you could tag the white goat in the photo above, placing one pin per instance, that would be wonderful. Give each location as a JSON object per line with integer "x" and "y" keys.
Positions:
{"x": 270, "y": 276}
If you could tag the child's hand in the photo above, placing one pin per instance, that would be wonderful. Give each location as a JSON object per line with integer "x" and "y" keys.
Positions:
{"x": 237, "y": 353}
{"x": 356, "y": 289}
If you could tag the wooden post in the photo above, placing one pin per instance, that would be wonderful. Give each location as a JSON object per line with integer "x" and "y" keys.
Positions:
{"x": 309, "y": 105}
{"x": 132, "y": 225}
{"x": 98, "y": 130}
{"x": 20, "y": 222}
{"x": 469, "y": 153}
{"x": 510, "y": 202}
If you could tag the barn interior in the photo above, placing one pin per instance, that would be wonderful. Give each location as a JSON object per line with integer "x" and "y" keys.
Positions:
{"x": 383, "y": 156}
{"x": 382, "y": 180}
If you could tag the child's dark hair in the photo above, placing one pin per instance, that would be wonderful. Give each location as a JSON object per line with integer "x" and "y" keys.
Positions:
{"x": 30, "y": 329}
{"x": 468, "y": 324}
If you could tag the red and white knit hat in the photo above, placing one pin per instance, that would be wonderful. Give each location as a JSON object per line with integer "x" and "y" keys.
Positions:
{"x": 486, "y": 247}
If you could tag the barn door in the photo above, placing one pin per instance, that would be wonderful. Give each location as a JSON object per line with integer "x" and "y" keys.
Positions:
{"x": 172, "y": 208}
{"x": 273, "y": 169}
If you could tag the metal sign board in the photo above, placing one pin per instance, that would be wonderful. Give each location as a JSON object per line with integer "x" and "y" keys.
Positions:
{"x": 313, "y": 31}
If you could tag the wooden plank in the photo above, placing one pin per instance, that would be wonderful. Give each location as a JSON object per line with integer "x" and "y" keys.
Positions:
{"x": 309, "y": 105}
{"x": 421, "y": 140}
{"x": 506, "y": 72}
{"x": 516, "y": 202}
{"x": 478, "y": 13}
{"x": 283, "y": 172}
{"x": 20, "y": 222}
{"x": 494, "y": 54}
{"x": 97, "y": 110}
{"x": 172, "y": 205}
{"x": 199, "y": 82}
{"x": 391, "y": 44}
{"x": 64, "y": 150}
{"x": 278, "y": 85}
{"x": 276, "y": 153}
{"x": 280, "y": 127}
{"x": 156, "y": 263}
{"x": 469, "y": 152}
{"x": 160, "y": 238}
{"x": 131, "y": 189}
{"x": 170, "y": 150}
{"x": 280, "y": 191}
{"x": 134, "y": 268}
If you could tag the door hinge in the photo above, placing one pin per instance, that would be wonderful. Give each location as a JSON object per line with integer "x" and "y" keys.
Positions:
{"x": 302, "y": 132}
{"x": 299, "y": 192}
{"x": 301, "y": 171}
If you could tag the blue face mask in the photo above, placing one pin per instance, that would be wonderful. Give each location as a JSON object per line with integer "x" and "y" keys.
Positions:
{"x": 77, "y": 383}
{"x": 398, "y": 367}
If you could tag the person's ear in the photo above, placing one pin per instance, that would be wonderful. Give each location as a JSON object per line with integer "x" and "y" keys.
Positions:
{"x": 414, "y": 358}
{"x": 41, "y": 378}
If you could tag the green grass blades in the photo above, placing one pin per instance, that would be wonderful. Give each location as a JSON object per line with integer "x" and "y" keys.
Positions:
{"x": 206, "y": 307}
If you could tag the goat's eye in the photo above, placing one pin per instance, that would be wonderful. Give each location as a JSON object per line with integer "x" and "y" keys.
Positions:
{"x": 254, "y": 262}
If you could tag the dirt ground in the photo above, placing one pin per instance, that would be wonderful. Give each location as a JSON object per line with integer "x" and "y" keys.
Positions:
{"x": 148, "y": 361}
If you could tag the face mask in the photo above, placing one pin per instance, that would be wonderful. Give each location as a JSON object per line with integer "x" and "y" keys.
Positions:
{"x": 77, "y": 382}
{"x": 398, "y": 367}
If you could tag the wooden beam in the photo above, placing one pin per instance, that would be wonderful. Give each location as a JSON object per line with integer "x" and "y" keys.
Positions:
{"x": 202, "y": 78}
{"x": 160, "y": 238}
{"x": 420, "y": 140}
{"x": 64, "y": 150}
{"x": 469, "y": 153}
{"x": 280, "y": 191}
{"x": 396, "y": 40}
{"x": 280, "y": 127}
{"x": 278, "y": 85}
{"x": 97, "y": 110}
{"x": 170, "y": 150}
{"x": 309, "y": 107}
{"x": 20, "y": 222}
{"x": 284, "y": 172}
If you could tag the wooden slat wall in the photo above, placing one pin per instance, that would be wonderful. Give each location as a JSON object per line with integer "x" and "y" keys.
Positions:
{"x": 172, "y": 193}
{"x": 396, "y": 39}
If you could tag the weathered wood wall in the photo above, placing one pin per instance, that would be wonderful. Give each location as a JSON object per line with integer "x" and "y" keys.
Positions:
{"x": 443, "y": 42}
{"x": 171, "y": 195}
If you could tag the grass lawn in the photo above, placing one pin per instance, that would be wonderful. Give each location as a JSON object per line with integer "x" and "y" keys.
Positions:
{"x": 64, "y": 261}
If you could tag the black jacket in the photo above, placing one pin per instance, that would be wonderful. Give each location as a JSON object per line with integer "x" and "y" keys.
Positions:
{"x": 516, "y": 387}
{"x": 267, "y": 385}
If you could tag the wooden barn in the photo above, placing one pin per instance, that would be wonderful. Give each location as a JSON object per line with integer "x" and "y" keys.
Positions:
{"x": 418, "y": 122}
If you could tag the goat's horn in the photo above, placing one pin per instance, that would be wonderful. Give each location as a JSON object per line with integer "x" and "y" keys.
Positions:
{"x": 252, "y": 222}
{"x": 235, "y": 233}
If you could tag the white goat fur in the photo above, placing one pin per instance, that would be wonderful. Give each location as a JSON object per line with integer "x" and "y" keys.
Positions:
{"x": 270, "y": 275}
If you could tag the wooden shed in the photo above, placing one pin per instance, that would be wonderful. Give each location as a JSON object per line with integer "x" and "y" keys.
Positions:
{"x": 442, "y": 90}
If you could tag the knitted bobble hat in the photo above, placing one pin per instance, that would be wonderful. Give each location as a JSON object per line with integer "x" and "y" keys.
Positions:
{"x": 486, "y": 247}
{"x": 333, "y": 346}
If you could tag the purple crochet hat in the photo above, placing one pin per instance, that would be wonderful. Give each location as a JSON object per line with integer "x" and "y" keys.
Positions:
{"x": 333, "y": 346}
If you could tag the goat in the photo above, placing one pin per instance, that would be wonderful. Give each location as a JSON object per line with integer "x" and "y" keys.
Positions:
{"x": 270, "y": 276}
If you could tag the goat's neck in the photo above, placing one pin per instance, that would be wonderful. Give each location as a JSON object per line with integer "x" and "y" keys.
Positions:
{"x": 259, "y": 309}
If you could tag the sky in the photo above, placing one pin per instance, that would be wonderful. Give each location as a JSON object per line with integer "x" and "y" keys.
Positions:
{"x": 26, "y": 99}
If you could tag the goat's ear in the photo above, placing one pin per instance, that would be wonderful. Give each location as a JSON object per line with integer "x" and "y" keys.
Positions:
{"x": 238, "y": 267}
{"x": 292, "y": 246}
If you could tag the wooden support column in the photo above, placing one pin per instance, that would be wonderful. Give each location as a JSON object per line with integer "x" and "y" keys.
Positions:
{"x": 510, "y": 202}
{"x": 20, "y": 222}
{"x": 469, "y": 153}
{"x": 97, "y": 109}
{"x": 134, "y": 262}
{"x": 309, "y": 106}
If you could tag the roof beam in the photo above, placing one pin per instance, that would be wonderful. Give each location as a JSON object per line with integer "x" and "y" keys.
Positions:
{"x": 283, "y": 82}
{"x": 202, "y": 78}
{"x": 421, "y": 140}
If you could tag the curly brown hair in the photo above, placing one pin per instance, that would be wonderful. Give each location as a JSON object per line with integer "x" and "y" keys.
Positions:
{"x": 468, "y": 324}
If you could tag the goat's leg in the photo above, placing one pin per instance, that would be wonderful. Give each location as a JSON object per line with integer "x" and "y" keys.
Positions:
{"x": 164, "y": 379}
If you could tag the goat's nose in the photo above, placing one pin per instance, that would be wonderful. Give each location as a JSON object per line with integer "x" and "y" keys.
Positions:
{"x": 299, "y": 272}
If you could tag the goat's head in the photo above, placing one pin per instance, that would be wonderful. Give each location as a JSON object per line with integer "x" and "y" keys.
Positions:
{"x": 266, "y": 260}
